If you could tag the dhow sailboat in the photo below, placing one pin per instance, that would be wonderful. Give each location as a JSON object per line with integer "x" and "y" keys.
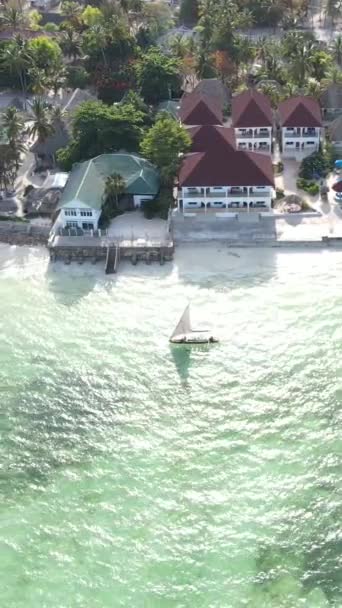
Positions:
{"x": 184, "y": 334}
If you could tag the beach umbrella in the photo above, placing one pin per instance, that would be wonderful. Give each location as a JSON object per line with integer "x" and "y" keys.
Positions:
{"x": 337, "y": 186}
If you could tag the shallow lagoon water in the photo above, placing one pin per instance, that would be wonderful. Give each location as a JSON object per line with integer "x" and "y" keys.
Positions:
{"x": 138, "y": 474}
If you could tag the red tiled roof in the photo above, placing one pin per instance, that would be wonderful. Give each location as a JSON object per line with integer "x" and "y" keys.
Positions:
{"x": 251, "y": 109}
{"x": 208, "y": 137}
{"x": 196, "y": 109}
{"x": 300, "y": 112}
{"x": 228, "y": 168}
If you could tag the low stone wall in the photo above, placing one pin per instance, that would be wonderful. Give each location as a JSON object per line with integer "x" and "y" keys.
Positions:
{"x": 21, "y": 233}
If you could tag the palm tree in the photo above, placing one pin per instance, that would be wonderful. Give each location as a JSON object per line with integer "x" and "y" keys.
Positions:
{"x": 272, "y": 92}
{"x": 56, "y": 76}
{"x": 14, "y": 127}
{"x": 16, "y": 58}
{"x": 71, "y": 43}
{"x": 333, "y": 76}
{"x": 313, "y": 88}
{"x": 12, "y": 17}
{"x": 42, "y": 126}
{"x": 13, "y": 123}
{"x": 115, "y": 186}
{"x": 336, "y": 49}
{"x": 178, "y": 46}
{"x": 38, "y": 78}
{"x": 100, "y": 36}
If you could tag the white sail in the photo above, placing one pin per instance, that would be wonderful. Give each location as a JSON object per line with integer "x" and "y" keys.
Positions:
{"x": 184, "y": 324}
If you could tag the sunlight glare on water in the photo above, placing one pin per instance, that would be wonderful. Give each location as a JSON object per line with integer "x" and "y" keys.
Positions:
{"x": 136, "y": 474}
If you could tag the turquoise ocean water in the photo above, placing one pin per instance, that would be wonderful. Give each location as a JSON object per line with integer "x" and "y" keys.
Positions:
{"x": 138, "y": 475}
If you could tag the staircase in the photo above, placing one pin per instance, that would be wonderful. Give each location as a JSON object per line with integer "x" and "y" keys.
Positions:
{"x": 112, "y": 259}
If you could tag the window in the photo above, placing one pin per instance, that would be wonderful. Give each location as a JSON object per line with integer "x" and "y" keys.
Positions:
{"x": 86, "y": 213}
{"x": 289, "y": 143}
{"x": 263, "y": 130}
{"x": 191, "y": 203}
{"x": 71, "y": 225}
{"x": 310, "y": 143}
{"x": 87, "y": 226}
{"x": 218, "y": 188}
{"x": 218, "y": 204}
{"x": 69, "y": 212}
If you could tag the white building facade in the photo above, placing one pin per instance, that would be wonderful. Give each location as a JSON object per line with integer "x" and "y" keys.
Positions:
{"x": 254, "y": 139}
{"x": 299, "y": 141}
{"x": 244, "y": 198}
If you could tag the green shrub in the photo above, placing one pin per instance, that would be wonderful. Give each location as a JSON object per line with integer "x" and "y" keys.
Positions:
{"x": 308, "y": 186}
{"x": 317, "y": 163}
{"x": 77, "y": 77}
{"x": 158, "y": 207}
{"x": 279, "y": 194}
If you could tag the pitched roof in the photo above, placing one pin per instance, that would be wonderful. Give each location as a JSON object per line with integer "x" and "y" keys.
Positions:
{"x": 335, "y": 129}
{"x": 251, "y": 109}
{"x": 195, "y": 109}
{"x": 300, "y": 112}
{"x": 78, "y": 96}
{"x": 59, "y": 139}
{"x": 87, "y": 180}
{"x": 331, "y": 98}
{"x": 231, "y": 168}
{"x": 215, "y": 88}
{"x": 209, "y": 137}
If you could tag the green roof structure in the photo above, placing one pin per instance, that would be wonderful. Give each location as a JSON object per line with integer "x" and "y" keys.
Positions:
{"x": 87, "y": 180}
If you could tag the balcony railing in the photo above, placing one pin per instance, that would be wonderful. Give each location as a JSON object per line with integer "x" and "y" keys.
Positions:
{"x": 224, "y": 196}
{"x": 297, "y": 135}
{"x": 257, "y": 135}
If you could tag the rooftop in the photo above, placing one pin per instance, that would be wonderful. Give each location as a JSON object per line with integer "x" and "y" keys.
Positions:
{"x": 251, "y": 109}
{"x": 87, "y": 180}
{"x": 335, "y": 129}
{"x": 331, "y": 98}
{"x": 223, "y": 165}
{"x": 300, "y": 112}
{"x": 215, "y": 88}
{"x": 208, "y": 137}
{"x": 197, "y": 109}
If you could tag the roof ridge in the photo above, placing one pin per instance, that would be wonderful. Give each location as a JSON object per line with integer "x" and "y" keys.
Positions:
{"x": 83, "y": 178}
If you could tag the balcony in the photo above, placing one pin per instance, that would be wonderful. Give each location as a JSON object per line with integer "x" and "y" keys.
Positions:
{"x": 307, "y": 134}
{"x": 223, "y": 196}
{"x": 251, "y": 135}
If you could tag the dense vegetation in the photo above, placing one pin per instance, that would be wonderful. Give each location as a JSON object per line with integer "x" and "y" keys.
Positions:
{"x": 120, "y": 49}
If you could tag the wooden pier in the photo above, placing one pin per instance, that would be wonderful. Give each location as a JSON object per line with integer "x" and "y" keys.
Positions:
{"x": 94, "y": 249}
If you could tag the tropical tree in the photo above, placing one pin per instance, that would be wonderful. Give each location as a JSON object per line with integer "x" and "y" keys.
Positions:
{"x": 13, "y": 123}
{"x": 115, "y": 186}
{"x": 336, "y": 49}
{"x": 189, "y": 12}
{"x": 42, "y": 126}
{"x": 157, "y": 76}
{"x": 163, "y": 144}
{"x": 178, "y": 46}
{"x": 12, "y": 17}
{"x": 313, "y": 88}
{"x": 98, "y": 128}
{"x": 272, "y": 91}
{"x": 15, "y": 57}
{"x": 71, "y": 43}
{"x": 38, "y": 80}
{"x": 57, "y": 76}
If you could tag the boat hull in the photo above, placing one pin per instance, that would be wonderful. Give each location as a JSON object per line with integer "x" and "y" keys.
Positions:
{"x": 194, "y": 339}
